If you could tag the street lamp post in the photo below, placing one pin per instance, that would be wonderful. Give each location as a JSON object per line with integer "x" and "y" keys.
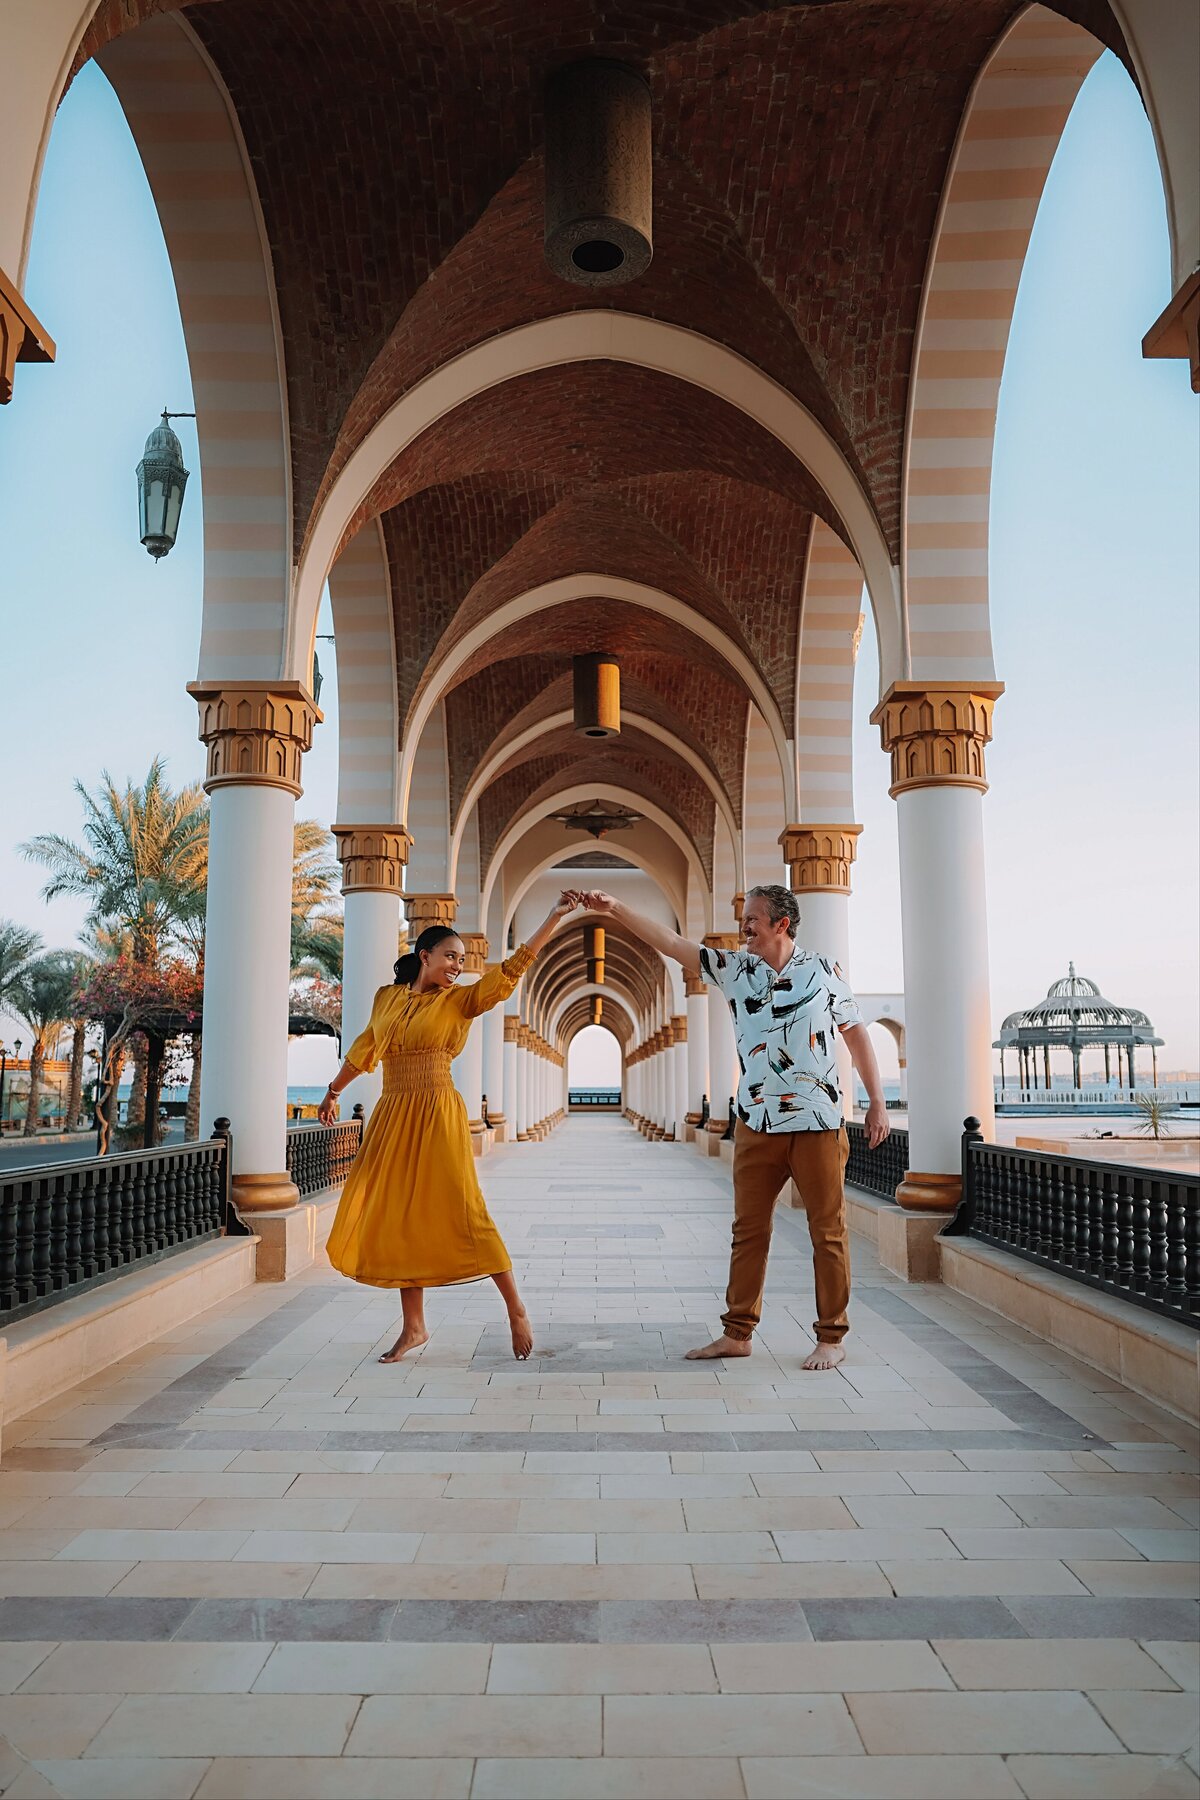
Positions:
{"x": 3, "y": 1071}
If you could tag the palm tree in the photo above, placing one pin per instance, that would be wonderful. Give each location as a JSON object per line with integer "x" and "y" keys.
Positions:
{"x": 44, "y": 999}
{"x": 18, "y": 947}
{"x": 142, "y": 863}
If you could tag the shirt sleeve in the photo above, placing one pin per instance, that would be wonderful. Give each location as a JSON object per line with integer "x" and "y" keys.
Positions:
{"x": 366, "y": 1049}
{"x": 719, "y": 968}
{"x": 843, "y": 1006}
{"x": 495, "y": 984}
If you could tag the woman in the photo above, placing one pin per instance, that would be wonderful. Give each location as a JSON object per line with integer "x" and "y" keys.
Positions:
{"x": 412, "y": 1215}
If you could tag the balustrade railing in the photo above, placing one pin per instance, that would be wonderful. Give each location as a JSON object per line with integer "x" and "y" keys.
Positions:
{"x": 606, "y": 1099}
{"x": 319, "y": 1156}
{"x": 1134, "y": 1232}
{"x": 882, "y": 1170}
{"x": 68, "y": 1226}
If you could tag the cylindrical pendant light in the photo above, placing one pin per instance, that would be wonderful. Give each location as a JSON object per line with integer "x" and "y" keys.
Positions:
{"x": 599, "y": 181}
{"x": 597, "y": 696}
{"x": 593, "y": 937}
{"x": 597, "y": 1008}
{"x": 595, "y": 970}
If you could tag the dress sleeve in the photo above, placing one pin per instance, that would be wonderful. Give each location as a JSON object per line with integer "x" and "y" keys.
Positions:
{"x": 843, "y": 1006}
{"x": 367, "y": 1047}
{"x": 495, "y": 984}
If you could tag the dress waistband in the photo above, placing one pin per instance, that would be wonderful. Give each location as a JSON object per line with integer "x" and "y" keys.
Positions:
{"x": 416, "y": 1072}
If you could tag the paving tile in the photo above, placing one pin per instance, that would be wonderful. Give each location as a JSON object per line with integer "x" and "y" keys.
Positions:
{"x": 405, "y": 1581}
{"x": 340, "y": 1667}
{"x": 172, "y": 1668}
{"x": 864, "y": 1546}
{"x": 1063, "y": 1663}
{"x": 38, "y": 1617}
{"x": 41, "y": 1725}
{"x": 1117, "y": 1511}
{"x": 1102, "y": 1778}
{"x": 605, "y": 1581}
{"x": 686, "y": 1547}
{"x": 156, "y": 1546}
{"x": 61, "y": 1577}
{"x": 878, "y": 1778}
{"x": 18, "y": 1661}
{"x": 729, "y": 1725}
{"x": 328, "y": 1778}
{"x": 219, "y": 1580}
{"x": 918, "y": 1617}
{"x": 241, "y": 1724}
{"x": 1088, "y": 1616}
{"x": 328, "y": 1546}
{"x": 702, "y": 1621}
{"x": 477, "y": 1724}
{"x": 1160, "y": 1546}
{"x": 827, "y": 1667}
{"x": 262, "y": 1620}
{"x": 986, "y": 1577}
{"x": 792, "y": 1581}
{"x": 497, "y": 1622}
{"x": 123, "y": 1778}
{"x": 1002, "y": 1724}
{"x": 601, "y": 1669}
{"x": 608, "y": 1778}
{"x": 1150, "y": 1724}
{"x": 1049, "y": 1545}
{"x": 1181, "y": 1662}
{"x": 1179, "y": 1581}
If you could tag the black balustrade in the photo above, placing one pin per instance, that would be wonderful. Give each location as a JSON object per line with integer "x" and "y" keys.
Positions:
{"x": 1129, "y": 1230}
{"x": 595, "y": 1099}
{"x": 65, "y": 1227}
{"x": 319, "y": 1156}
{"x": 882, "y": 1170}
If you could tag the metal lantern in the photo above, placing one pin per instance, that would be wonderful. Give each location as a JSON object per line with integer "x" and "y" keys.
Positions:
{"x": 161, "y": 479}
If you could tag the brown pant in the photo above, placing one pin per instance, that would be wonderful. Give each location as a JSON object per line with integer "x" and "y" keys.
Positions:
{"x": 762, "y": 1162}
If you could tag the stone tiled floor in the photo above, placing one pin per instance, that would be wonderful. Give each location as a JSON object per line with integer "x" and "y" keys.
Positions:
{"x": 249, "y": 1561}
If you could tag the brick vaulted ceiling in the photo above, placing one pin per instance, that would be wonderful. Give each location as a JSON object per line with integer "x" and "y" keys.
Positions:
{"x": 799, "y": 158}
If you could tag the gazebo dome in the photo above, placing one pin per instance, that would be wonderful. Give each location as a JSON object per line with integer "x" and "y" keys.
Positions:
{"x": 1074, "y": 1001}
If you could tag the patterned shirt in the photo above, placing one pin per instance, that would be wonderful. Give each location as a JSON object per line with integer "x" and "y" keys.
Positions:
{"x": 785, "y": 1029}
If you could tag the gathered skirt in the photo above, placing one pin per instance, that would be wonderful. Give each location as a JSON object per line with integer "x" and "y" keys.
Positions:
{"x": 412, "y": 1213}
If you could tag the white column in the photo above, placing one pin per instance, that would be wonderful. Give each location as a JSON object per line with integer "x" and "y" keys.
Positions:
{"x": 722, "y": 1059}
{"x": 523, "y": 1086}
{"x": 947, "y": 1003}
{"x": 372, "y": 928}
{"x": 680, "y": 1057}
{"x": 467, "y": 1074}
{"x": 493, "y": 1069}
{"x": 825, "y": 929}
{"x": 697, "y": 1047}
{"x": 667, "y": 1059}
{"x": 247, "y": 970}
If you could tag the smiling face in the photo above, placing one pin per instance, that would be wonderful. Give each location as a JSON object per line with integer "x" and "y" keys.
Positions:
{"x": 760, "y": 936}
{"x": 442, "y": 966}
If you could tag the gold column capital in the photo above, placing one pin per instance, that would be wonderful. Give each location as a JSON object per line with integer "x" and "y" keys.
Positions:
{"x": 256, "y": 732}
{"x": 722, "y": 940}
{"x": 512, "y": 1029}
{"x": 739, "y": 906}
{"x": 935, "y": 732}
{"x": 476, "y": 946}
{"x": 695, "y": 987}
{"x": 666, "y": 1037}
{"x": 373, "y": 857}
{"x": 679, "y": 1028}
{"x": 424, "y": 910}
{"x": 819, "y": 857}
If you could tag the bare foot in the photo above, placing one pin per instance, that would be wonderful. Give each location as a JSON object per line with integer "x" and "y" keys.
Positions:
{"x": 722, "y": 1346}
{"x": 825, "y": 1356}
{"x": 408, "y": 1340}
{"x": 522, "y": 1335}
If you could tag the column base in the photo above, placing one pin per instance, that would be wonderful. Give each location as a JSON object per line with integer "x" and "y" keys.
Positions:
{"x": 908, "y": 1243}
{"x": 712, "y": 1140}
{"x": 929, "y": 1193}
{"x": 693, "y": 1118}
{"x": 264, "y": 1193}
{"x": 522, "y": 1137}
{"x": 498, "y": 1126}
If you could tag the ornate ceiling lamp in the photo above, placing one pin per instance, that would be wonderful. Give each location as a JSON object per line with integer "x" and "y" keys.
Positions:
{"x": 599, "y": 173}
{"x": 597, "y": 819}
{"x": 597, "y": 696}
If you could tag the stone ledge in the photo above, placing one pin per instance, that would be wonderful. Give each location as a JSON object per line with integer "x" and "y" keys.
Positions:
{"x": 289, "y": 1241}
{"x": 55, "y": 1350}
{"x": 1158, "y": 1358}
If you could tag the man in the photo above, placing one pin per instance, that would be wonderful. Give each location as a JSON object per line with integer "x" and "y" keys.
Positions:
{"x": 787, "y": 1004}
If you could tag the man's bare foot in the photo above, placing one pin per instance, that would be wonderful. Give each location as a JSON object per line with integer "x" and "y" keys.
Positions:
{"x": 825, "y": 1356}
{"x": 722, "y": 1346}
{"x": 408, "y": 1340}
{"x": 522, "y": 1335}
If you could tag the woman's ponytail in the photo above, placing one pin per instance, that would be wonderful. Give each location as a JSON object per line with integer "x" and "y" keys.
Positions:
{"x": 408, "y": 967}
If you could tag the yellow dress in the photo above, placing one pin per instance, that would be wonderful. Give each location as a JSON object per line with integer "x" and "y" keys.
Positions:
{"x": 412, "y": 1213}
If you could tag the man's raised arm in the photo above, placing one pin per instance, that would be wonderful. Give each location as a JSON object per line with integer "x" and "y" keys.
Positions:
{"x": 667, "y": 943}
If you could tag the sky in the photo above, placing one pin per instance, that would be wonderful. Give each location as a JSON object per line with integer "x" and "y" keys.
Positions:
{"x": 1091, "y": 819}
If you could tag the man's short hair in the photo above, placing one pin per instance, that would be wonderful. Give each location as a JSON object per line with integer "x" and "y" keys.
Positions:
{"x": 781, "y": 904}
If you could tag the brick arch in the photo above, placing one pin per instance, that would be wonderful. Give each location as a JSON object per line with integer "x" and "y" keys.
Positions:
{"x": 188, "y": 137}
{"x": 648, "y": 778}
{"x": 632, "y": 855}
{"x": 1007, "y": 138}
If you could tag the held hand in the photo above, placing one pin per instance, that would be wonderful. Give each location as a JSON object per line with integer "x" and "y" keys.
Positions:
{"x": 599, "y": 902}
{"x": 327, "y": 1112}
{"x": 567, "y": 902}
{"x": 878, "y": 1125}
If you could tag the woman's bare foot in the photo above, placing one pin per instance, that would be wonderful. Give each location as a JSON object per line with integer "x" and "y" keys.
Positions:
{"x": 408, "y": 1340}
{"x": 722, "y": 1346}
{"x": 825, "y": 1356}
{"x": 522, "y": 1335}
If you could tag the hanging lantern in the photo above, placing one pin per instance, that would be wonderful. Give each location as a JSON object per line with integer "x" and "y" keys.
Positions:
{"x": 597, "y": 696}
{"x": 597, "y": 1009}
{"x": 161, "y": 479}
{"x": 595, "y": 970}
{"x": 593, "y": 936}
{"x": 599, "y": 173}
